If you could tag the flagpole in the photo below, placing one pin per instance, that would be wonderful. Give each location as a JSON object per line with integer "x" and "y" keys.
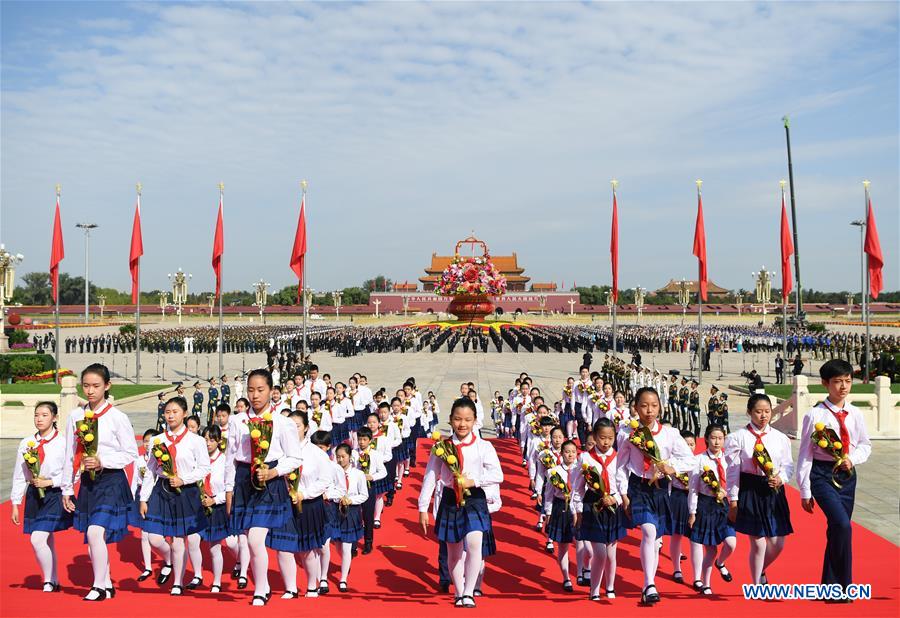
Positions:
{"x": 221, "y": 328}
{"x": 304, "y": 186}
{"x": 699, "y": 314}
{"x": 787, "y": 135}
{"x": 137, "y": 319}
{"x": 614, "y": 293}
{"x": 56, "y": 345}
{"x": 865, "y": 304}
{"x": 784, "y": 298}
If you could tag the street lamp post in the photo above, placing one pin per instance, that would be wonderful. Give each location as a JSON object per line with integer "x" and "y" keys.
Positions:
{"x": 763, "y": 289}
{"x": 8, "y": 262}
{"x": 336, "y": 297}
{"x": 639, "y": 293}
{"x": 179, "y": 290}
{"x": 87, "y": 227}
{"x": 684, "y": 298}
{"x": 262, "y": 296}
{"x": 862, "y": 265}
{"x": 163, "y": 303}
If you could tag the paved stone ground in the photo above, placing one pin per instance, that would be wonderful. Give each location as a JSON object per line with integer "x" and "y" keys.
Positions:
{"x": 878, "y": 491}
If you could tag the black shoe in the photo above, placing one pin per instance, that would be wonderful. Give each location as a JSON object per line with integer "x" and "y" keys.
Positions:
{"x": 264, "y": 599}
{"x": 176, "y": 591}
{"x": 726, "y": 575}
{"x": 101, "y": 595}
{"x": 468, "y": 601}
{"x": 342, "y": 586}
{"x": 111, "y": 592}
{"x": 649, "y": 596}
{"x": 51, "y": 587}
{"x": 242, "y": 583}
{"x": 194, "y": 583}
{"x": 698, "y": 585}
{"x": 586, "y": 578}
{"x": 323, "y": 587}
{"x": 579, "y": 581}
{"x": 706, "y": 591}
{"x": 215, "y": 588}
{"x": 236, "y": 571}
{"x": 367, "y": 548}
{"x": 354, "y": 552}
{"x": 567, "y": 586}
{"x": 389, "y": 500}
{"x": 290, "y": 594}
{"x": 165, "y": 573}
{"x": 376, "y": 524}
{"x": 678, "y": 577}
{"x": 145, "y": 574}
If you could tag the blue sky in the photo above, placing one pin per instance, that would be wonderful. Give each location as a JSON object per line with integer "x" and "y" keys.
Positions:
{"x": 417, "y": 123}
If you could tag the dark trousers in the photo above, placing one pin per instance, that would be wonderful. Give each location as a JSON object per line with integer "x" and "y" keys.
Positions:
{"x": 368, "y": 517}
{"x": 837, "y": 505}
{"x": 391, "y": 467}
{"x": 673, "y": 412}
{"x": 413, "y": 444}
{"x": 443, "y": 569}
{"x": 580, "y": 424}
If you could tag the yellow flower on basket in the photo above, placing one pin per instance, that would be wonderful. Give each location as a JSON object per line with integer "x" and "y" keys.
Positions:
{"x": 267, "y": 416}
{"x": 30, "y": 444}
{"x": 255, "y": 434}
{"x": 838, "y": 445}
{"x": 89, "y": 414}
{"x": 823, "y": 443}
{"x": 706, "y": 468}
{"x": 157, "y": 453}
{"x": 760, "y": 459}
{"x": 89, "y": 437}
{"x": 820, "y": 426}
{"x": 436, "y": 436}
{"x": 439, "y": 452}
{"x": 451, "y": 459}
{"x": 165, "y": 457}
{"x": 769, "y": 465}
{"x": 760, "y": 448}
{"x": 263, "y": 444}
{"x": 157, "y": 442}
{"x": 649, "y": 443}
{"x": 596, "y": 485}
{"x": 633, "y": 424}
{"x": 293, "y": 476}
{"x": 715, "y": 483}
{"x": 83, "y": 427}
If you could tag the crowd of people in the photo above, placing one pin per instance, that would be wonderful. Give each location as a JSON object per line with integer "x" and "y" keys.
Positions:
{"x": 302, "y": 463}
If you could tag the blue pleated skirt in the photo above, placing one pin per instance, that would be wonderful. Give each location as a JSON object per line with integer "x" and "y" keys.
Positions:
{"x": 170, "y": 513}
{"x": 711, "y": 525}
{"x": 105, "y": 502}
{"x": 678, "y": 505}
{"x": 454, "y": 522}
{"x": 381, "y": 486}
{"x": 357, "y": 420}
{"x": 401, "y": 452}
{"x": 305, "y": 531}
{"x": 134, "y": 512}
{"x": 45, "y": 514}
{"x": 566, "y": 415}
{"x": 251, "y": 508}
{"x": 603, "y": 526}
{"x": 649, "y": 504}
{"x": 507, "y": 420}
{"x": 559, "y": 526}
{"x": 347, "y": 528}
{"x": 761, "y": 511}
{"x": 339, "y": 433}
{"x": 217, "y": 525}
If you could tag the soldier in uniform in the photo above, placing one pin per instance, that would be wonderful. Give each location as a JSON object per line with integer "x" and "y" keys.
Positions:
{"x": 683, "y": 404}
{"x": 197, "y": 408}
{"x": 213, "y": 401}
{"x": 722, "y": 412}
{"x": 160, "y": 408}
{"x": 226, "y": 391}
{"x": 694, "y": 407}
{"x": 712, "y": 405}
{"x": 671, "y": 415}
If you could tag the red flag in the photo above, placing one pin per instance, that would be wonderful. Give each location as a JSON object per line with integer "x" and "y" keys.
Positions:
{"x": 614, "y": 250}
{"x": 57, "y": 253}
{"x": 137, "y": 250}
{"x": 873, "y": 250}
{"x": 700, "y": 248}
{"x": 298, "y": 253}
{"x": 218, "y": 250}
{"x": 787, "y": 250}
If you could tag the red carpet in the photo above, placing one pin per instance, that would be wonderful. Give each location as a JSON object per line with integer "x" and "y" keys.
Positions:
{"x": 401, "y": 575}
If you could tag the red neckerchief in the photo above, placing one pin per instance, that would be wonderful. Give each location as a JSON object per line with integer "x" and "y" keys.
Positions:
{"x": 758, "y": 436}
{"x": 347, "y": 479}
{"x": 173, "y": 446}
{"x": 841, "y": 416}
{"x": 41, "y": 443}
{"x": 459, "y": 491}
{"x": 207, "y": 482}
{"x": 720, "y": 470}
{"x": 647, "y": 463}
{"x": 604, "y": 464}
{"x": 79, "y": 448}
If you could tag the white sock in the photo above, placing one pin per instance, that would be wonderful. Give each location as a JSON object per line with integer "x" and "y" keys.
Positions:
{"x": 178, "y": 562}
{"x": 96, "y": 536}
{"x": 215, "y": 556}
{"x": 287, "y": 564}
{"x": 473, "y": 562}
{"x": 346, "y": 558}
{"x": 42, "y": 543}
{"x": 193, "y": 547}
{"x": 259, "y": 556}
